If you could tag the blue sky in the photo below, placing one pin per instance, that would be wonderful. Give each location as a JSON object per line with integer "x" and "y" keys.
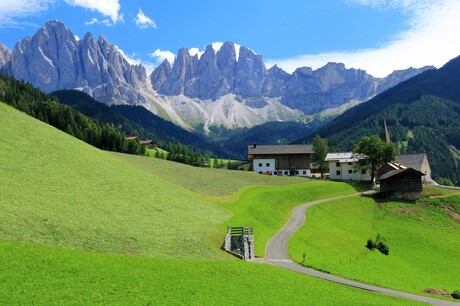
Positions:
{"x": 376, "y": 35}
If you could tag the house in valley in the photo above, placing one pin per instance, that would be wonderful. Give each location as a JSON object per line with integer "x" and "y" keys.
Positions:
{"x": 148, "y": 143}
{"x": 346, "y": 167}
{"x": 282, "y": 160}
{"x": 404, "y": 183}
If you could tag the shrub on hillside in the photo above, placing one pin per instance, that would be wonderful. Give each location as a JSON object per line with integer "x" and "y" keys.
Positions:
{"x": 456, "y": 294}
{"x": 379, "y": 244}
{"x": 370, "y": 244}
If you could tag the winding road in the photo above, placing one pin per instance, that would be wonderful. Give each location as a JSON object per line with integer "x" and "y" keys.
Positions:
{"x": 277, "y": 254}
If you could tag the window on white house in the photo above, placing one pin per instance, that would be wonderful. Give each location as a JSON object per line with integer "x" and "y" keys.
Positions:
{"x": 304, "y": 172}
{"x": 337, "y": 164}
{"x": 350, "y": 164}
{"x": 338, "y": 172}
{"x": 363, "y": 171}
{"x": 260, "y": 164}
{"x": 267, "y": 164}
{"x": 260, "y": 172}
{"x": 286, "y": 172}
{"x": 350, "y": 171}
{"x": 276, "y": 172}
{"x": 297, "y": 172}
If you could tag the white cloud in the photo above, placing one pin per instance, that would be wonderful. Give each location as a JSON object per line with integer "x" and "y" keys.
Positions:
{"x": 195, "y": 51}
{"x": 432, "y": 39}
{"x": 159, "y": 56}
{"x": 13, "y": 12}
{"x": 143, "y": 22}
{"x": 106, "y": 22}
{"x": 108, "y": 8}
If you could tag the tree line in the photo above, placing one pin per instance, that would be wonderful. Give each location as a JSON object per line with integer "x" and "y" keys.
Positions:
{"x": 44, "y": 107}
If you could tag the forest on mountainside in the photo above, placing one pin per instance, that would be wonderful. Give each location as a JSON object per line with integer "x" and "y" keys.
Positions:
{"x": 46, "y": 108}
{"x": 137, "y": 121}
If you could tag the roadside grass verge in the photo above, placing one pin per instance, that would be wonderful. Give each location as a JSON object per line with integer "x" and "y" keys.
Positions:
{"x": 57, "y": 190}
{"x": 423, "y": 238}
{"x": 42, "y": 275}
{"x": 433, "y": 191}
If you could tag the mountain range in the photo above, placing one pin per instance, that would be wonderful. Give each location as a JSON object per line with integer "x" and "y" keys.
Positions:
{"x": 228, "y": 86}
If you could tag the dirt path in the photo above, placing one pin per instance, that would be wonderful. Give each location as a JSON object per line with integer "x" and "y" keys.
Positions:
{"x": 277, "y": 254}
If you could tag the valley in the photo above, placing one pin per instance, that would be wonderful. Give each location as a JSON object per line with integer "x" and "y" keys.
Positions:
{"x": 222, "y": 176}
{"x": 106, "y": 222}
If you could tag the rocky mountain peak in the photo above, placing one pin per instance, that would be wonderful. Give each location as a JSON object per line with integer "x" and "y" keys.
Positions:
{"x": 53, "y": 59}
{"x": 5, "y": 54}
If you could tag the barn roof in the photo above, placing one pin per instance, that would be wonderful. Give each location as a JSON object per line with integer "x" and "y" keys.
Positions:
{"x": 397, "y": 172}
{"x": 345, "y": 157}
{"x": 280, "y": 149}
{"x": 414, "y": 161}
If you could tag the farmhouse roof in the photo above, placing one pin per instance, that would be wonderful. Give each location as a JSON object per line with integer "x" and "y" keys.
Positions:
{"x": 145, "y": 142}
{"x": 280, "y": 149}
{"x": 131, "y": 138}
{"x": 345, "y": 157}
{"x": 414, "y": 161}
{"x": 397, "y": 172}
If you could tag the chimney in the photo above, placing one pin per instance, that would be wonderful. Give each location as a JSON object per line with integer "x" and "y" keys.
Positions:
{"x": 254, "y": 145}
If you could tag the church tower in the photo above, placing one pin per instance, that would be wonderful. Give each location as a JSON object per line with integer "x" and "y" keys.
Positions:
{"x": 384, "y": 134}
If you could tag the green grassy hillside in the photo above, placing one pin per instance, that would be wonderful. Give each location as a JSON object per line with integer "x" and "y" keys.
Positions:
{"x": 423, "y": 238}
{"x": 58, "y": 190}
{"x": 212, "y": 182}
{"x": 52, "y": 276}
{"x": 65, "y": 205}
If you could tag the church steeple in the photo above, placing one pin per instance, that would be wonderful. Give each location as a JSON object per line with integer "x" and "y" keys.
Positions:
{"x": 384, "y": 134}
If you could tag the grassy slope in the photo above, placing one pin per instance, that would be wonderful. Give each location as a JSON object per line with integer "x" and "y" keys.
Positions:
{"x": 424, "y": 243}
{"x": 51, "y": 276}
{"x": 266, "y": 207}
{"x": 212, "y": 182}
{"x": 60, "y": 191}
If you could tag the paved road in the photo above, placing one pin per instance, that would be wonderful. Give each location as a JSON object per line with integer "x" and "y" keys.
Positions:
{"x": 277, "y": 254}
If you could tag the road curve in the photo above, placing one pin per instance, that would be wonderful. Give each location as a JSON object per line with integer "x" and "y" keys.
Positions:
{"x": 277, "y": 254}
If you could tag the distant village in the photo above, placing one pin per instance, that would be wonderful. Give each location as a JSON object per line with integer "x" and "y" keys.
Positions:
{"x": 402, "y": 178}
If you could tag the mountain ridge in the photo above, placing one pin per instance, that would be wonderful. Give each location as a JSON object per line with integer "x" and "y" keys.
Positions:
{"x": 184, "y": 92}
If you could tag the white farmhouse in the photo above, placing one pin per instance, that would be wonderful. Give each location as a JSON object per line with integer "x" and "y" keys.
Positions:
{"x": 345, "y": 167}
{"x": 282, "y": 160}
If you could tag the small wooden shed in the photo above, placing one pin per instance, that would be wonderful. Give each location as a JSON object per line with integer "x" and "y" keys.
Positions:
{"x": 401, "y": 184}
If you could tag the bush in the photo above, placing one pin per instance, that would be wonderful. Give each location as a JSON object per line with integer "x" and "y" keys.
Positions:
{"x": 370, "y": 244}
{"x": 456, "y": 294}
{"x": 379, "y": 244}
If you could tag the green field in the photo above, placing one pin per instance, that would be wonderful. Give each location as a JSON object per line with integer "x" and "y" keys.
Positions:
{"x": 52, "y": 276}
{"x": 267, "y": 209}
{"x": 423, "y": 238}
{"x": 57, "y": 190}
{"x": 82, "y": 226}
{"x": 205, "y": 181}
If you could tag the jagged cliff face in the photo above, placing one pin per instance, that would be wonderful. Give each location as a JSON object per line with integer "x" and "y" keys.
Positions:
{"x": 219, "y": 73}
{"x": 5, "y": 55}
{"x": 53, "y": 59}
